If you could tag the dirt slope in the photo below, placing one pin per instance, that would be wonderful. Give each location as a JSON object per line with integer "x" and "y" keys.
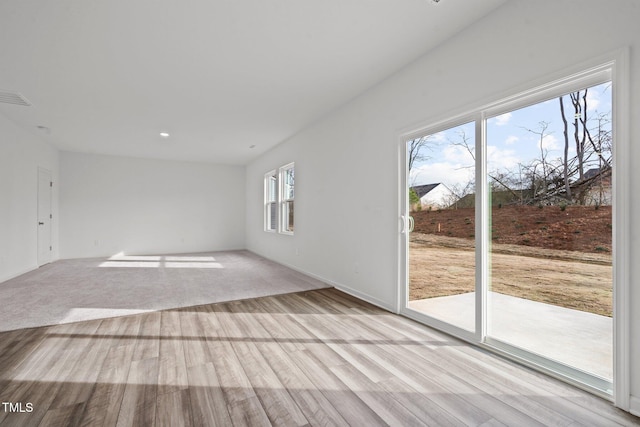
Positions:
{"x": 575, "y": 228}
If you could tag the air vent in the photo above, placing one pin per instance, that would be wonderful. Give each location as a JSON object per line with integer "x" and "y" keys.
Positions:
{"x": 13, "y": 98}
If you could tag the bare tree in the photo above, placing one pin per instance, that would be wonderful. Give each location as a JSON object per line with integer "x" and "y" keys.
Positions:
{"x": 542, "y": 133}
{"x": 464, "y": 142}
{"x": 457, "y": 192}
{"x": 416, "y": 150}
{"x": 579, "y": 132}
{"x": 567, "y": 186}
{"x": 588, "y": 143}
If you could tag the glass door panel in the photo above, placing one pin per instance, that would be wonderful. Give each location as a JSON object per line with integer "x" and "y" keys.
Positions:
{"x": 549, "y": 169}
{"x": 441, "y": 169}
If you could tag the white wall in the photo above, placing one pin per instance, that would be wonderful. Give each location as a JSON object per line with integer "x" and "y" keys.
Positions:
{"x": 21, "y": 153}
{"x": 115, "y": 204}
{"x": 347, "y": 163}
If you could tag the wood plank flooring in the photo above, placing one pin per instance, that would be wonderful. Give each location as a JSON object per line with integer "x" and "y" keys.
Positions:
{"x": 313, "y": 358}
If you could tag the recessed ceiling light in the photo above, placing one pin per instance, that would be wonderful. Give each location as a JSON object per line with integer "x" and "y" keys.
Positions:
{"x": 164, "y": 135}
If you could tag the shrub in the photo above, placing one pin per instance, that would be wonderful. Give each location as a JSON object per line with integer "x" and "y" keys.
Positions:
{"x": 413, "y": 197}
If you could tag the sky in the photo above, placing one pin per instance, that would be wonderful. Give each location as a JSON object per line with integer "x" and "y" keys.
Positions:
{"x": 510, "y": 141}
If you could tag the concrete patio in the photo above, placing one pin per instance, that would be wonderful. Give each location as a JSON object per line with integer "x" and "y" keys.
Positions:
{"x": 576, "y": 338}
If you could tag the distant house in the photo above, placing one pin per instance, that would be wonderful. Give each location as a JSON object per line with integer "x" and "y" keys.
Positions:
{"x": 497, "y": 198}
{"x": 434, "y": 196}
{"x": 595, "y": 186}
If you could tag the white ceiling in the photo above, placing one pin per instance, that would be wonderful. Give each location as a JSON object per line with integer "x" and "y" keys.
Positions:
{"x": 107, "y": 76}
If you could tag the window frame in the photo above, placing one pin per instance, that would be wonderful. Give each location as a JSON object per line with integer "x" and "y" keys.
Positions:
{"x": 269, "y": 200}
{"x": 284, "y": 201}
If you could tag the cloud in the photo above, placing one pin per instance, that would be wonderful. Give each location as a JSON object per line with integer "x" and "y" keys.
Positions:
{"x": 439, "y": 137}
{"x": 503, "y": 119}
{"x": 501, "y": 159}
{"x": 549, "y": 142}
{"x": 511, "y": 139}
{"x": 458, "y": 154}
{"x": 447, "y": 173}
{"x": 593, "y": 100}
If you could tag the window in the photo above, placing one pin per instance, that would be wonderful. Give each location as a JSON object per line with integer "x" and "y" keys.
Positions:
{"x": 279, "y": 190}
{"x": 270, "y": 202}
{"x": 286, "y": 177}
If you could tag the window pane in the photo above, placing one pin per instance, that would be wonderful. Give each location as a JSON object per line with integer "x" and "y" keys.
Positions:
{"x": 288, "y": 186}
{"x": 271, "y": 192}
{"x": 287, "y": 216}
{"x": 442, "y": 245}
{"x": 549, "y": 171}
{"x": 271, "y": 216}
{"x": 270, "y": 200}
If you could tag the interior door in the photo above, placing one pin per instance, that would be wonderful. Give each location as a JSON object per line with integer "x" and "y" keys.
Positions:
{"x": 44, "y": 216}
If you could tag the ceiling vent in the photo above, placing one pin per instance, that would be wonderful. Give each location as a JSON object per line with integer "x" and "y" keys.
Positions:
{"x": 13, "y": 98}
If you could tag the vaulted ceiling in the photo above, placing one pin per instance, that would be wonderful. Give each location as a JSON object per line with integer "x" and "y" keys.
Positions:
{"x": 220, "y": 76}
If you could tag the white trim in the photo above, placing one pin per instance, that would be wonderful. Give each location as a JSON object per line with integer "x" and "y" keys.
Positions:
{"x": 621, "y": 241}
{"x": 265, "y": 217}
{"x": 482, "y": 211}
{"x": 440, "y": 325}
{"x": 453, "y": 116}
{"x": 360, "y": 295}
{"x": 587, "y": 78}
{"x": 581, "y": 379}
{"x": 468, "y": 116}
{"x": 634, "y": 405}
{"x": 403, "y": 240}
{"x": 346, "y": 289}
{"x": 21, "y": 272}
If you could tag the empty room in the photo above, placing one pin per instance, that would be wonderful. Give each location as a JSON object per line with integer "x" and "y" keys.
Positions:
{"x": 381, "y": 212}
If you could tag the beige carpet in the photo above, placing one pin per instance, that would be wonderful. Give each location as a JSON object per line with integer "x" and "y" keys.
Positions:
{"x": 83, "y": 289}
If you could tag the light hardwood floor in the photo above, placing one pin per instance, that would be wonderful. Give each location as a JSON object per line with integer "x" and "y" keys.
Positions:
{"x": 313, "y": 358}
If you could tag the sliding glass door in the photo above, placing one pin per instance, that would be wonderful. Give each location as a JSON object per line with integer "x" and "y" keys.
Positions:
{"x": 441, "y": 177}
{"x": 550, "y": 279}
{"x": 508, "y": 228}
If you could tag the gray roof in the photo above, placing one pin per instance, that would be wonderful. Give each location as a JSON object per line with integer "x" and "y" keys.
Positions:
{"x": 421, "y": 190}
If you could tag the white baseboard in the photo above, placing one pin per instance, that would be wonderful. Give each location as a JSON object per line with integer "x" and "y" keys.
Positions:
{"x": 25, "y": 271}
{"x": 634, "y": 405}
{"x": 339, "y": 286}
{"x": 364, "y": 297}
{"x": 19, "y": 273}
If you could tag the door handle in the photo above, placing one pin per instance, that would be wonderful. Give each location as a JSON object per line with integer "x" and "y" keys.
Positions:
{"x": 407, "y": 224}
{"x": 41, "y": 223}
